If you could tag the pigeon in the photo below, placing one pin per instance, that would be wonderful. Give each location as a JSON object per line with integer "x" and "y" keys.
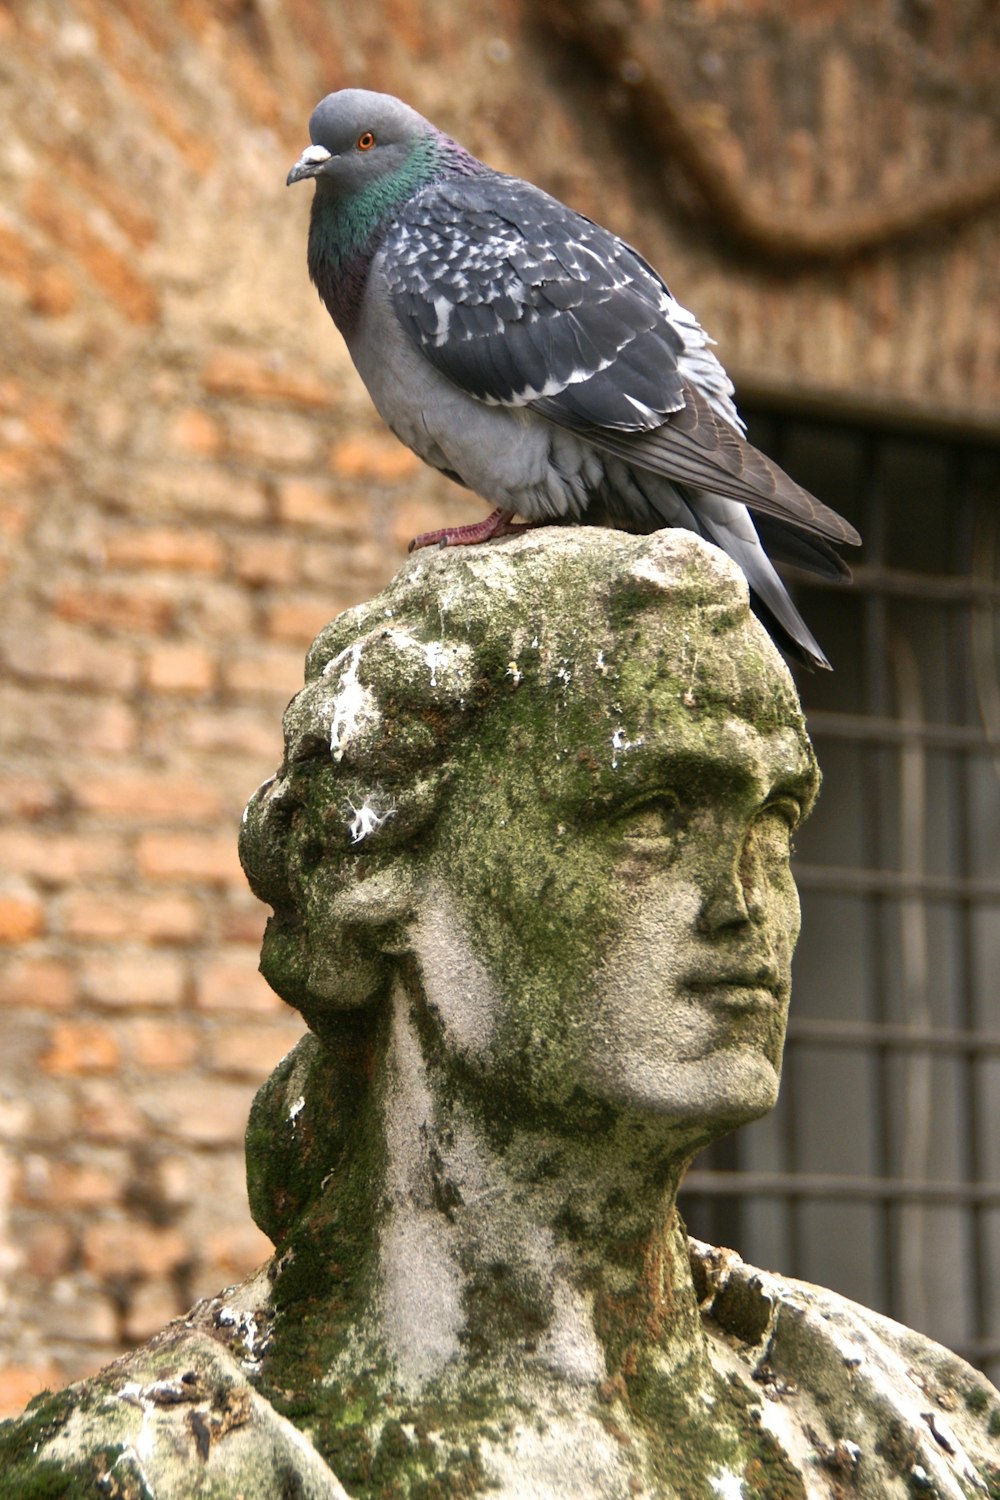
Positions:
{"x": 539, "y": 360}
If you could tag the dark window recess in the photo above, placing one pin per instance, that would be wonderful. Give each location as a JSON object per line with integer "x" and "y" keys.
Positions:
{"x": 879, "y": 1172}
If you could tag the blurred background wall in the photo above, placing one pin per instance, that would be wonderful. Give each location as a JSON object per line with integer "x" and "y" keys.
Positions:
{"x": 192, "y": 482}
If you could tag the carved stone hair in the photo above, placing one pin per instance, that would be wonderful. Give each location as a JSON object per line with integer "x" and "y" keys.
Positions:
{"x": 491, "y": 639}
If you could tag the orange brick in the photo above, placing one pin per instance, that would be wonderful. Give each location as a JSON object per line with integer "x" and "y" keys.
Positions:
{"x": 151, "y": 1306}
{"x": 65, "y": 653}
{"x": 74, "y": 1311}
{"x": 52, "y": 292}
{"x": 19, "y": 1383}
{"x": 64, "y": 1185}
{"x": 168, "y": 919}
{"x": 96, "y": 916}
{"x": 98, "y": 187}
{"x": 230, "y": 372}
{"x": 195, "y": 432}
{"x": 180, "y": 550}
{"x": 22, "y": 916}
{"x": 162, "y": 1046}
{"x": 362, "y": 563}
{"x": 248, "y": 1051}
{"x": 244, "y": 925}
{"x": 113, "y": 420}
{"x": 115, "y": 609}
{"x": 43, "y": 983}
{"x": 59, "y": 216}
{"x": 172, "y": 1179}
{"x": 57, "y": 859}
{"x": 203, "y": 491}
{"x": 179, "y": 667}
{"x": 150, "y": 978}
{"x": 19, "y": 464}
{"x": 105, "y": 1113}
{"x": 147, "y": 82}
{"x": 49, "y": 1248}
{"x": 16, "y": 257}
{"x": 273, "y": 671}
{"x": 54, "y": 1111}
{"x": 41, "y": 715}
{"x": 232, "y": 982}
{"x": 253, "y": 83}
{"x": 118, "y": 1248}
{"x": 104, "y": 916}
{"x": 266, "y": 560}
{"x": 253, "y": 732}
{"x": 283, "y": 439}
{"x": 14, "y": 517}
{"x": 204, "y": 858}
{"x": 376, "y": 459}
{"x": 190, "y": 1110}
{"x": 298, "y": 620}
{"x": 224, "y": 611}
{"x": 81, "y": 1047}
{"x": 48, "y": 421}
{"x": 147, "y": 798}
{"x": 234, "y": 1252}
{"x": 303, "y": 503}
{"x": 29, "y": 797}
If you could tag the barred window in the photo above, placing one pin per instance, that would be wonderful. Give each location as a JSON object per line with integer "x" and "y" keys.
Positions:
{"x": 879, "y": 1172}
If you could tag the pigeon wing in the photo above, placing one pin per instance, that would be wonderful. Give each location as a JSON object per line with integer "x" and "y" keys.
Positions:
{"x": 517, "y": 299}
{"x": 520, "y": 301}
{"x": 696, "y": 446}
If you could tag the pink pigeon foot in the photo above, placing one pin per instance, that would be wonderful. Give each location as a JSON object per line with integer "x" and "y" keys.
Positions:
{"x": 498, "y": 523}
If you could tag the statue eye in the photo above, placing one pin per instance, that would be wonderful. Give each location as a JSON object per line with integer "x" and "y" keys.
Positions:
{"x": 660, "y": 818}
{"x": 366, "y": 141}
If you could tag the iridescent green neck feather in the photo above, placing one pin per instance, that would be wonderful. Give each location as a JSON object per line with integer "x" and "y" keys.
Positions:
{"x": 345, "y": 230}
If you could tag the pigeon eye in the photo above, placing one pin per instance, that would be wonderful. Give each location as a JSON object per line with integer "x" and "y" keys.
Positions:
{"x": 366, "y": 141}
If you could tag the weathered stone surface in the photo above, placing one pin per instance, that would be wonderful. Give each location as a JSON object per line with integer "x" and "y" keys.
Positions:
{"x": 175, "y": 1420}
{"x": 528, "y": 859}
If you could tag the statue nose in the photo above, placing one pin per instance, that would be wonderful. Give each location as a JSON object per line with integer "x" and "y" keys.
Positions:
{"x": 725, "y": 904}
{"x": 732, "y": 897}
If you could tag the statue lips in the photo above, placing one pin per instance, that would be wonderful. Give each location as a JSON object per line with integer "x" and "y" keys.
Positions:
{"x": 754, "y": 990}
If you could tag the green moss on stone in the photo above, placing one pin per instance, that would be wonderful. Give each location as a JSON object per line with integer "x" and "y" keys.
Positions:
{"x": 23, "y": 1476}
{"x": 976, "y": 1399}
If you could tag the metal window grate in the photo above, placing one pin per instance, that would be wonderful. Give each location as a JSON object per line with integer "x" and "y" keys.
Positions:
{"x": 879, "y": 1172}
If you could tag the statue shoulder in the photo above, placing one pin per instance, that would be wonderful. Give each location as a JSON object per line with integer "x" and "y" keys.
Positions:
{"x": 176, "y": 1418}
{"x": 848, "y": 1393}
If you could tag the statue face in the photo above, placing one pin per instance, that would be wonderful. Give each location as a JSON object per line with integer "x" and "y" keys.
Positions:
{"x": 613, "y": 919}
{"x": 689, "y": 1006}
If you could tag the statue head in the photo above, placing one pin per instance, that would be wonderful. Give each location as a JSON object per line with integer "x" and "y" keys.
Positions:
{"x": 549, "y": 785}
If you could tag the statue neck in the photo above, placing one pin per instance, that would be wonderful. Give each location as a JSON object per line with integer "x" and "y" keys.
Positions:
{"x": 561, "y": 1256}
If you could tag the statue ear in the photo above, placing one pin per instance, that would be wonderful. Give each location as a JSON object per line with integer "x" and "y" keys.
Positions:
{"x": 378, "y": 905}
{"x": 339, "y": 952}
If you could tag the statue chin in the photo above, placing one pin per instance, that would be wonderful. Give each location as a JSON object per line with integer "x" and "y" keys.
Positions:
{"x": 708, "y": 1097}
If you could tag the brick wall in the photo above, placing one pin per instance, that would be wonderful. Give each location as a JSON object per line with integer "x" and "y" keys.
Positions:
{"x": 191, "y": 484}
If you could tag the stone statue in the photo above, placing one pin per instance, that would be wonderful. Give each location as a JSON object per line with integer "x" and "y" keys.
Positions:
{"x": 528, "y": 860}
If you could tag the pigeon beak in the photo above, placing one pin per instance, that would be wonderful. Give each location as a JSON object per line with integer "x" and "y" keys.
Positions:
{"x": 309, "y": 164}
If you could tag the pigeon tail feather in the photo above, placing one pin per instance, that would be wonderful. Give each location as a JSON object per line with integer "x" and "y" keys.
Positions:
{"x": 766, "y": 587}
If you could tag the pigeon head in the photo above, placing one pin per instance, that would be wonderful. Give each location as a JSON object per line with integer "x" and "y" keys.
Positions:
{"x": 370, "y": 154}
{"x": 360, "y": 138}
